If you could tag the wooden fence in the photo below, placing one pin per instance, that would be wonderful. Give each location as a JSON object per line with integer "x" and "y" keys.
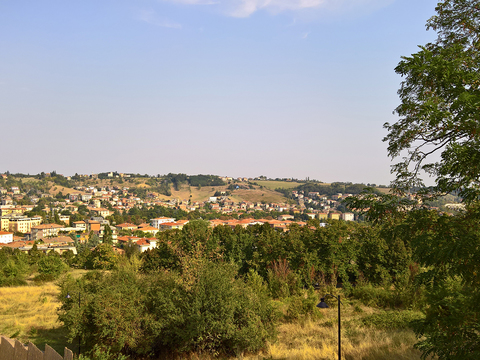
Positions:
{"x": 14, "y": 350}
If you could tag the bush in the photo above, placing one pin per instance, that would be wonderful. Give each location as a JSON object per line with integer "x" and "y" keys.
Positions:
{"x": 210, "y": 310}
{"x": 14, "y": 267}
{"x": 282, "y": 281}
{"x": 50, "y": 267}
{"x": 373, "y": 296}
{"x": 217, "y": 314}
{"x": 302, "y": 307}
{"x": 392, "y": 319}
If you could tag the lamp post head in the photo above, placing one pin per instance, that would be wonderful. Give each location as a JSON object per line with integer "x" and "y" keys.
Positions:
{"x": 322, "y": 304}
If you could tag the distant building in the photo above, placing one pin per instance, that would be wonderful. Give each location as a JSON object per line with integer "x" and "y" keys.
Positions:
{"x": 348, "y": 216}
{"x": 6, "y": 237}
{"x": 334, "y": 216}
{"x": 20, "y": 223}
{"x": 44, "y": 231}
{"x": 160, "y": 220}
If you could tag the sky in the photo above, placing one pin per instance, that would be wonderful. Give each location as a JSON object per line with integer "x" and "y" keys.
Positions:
{"x": 281, "y": 88}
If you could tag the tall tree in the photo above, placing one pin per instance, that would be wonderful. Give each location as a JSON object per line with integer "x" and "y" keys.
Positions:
{"x": 440, "y": 105}
{"x": 440, "y": 113}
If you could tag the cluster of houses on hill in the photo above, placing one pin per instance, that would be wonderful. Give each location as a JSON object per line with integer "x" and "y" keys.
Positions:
{"x": 19, "y": 230}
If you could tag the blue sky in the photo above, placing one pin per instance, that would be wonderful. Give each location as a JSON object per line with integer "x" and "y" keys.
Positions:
{"x": 282, "y": 88}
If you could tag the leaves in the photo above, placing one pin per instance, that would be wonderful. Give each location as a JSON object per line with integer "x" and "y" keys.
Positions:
{"x": 440, "y": 104}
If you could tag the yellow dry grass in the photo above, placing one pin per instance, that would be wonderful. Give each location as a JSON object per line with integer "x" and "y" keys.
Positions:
{"x": 193, "y": 193}
{"x": 29, "y": 313}
{"x": 255, "y": 195}
{"x": 318, "y": 339}
{"x": 55, "y": 189}
{"x": 313, "y": 340}
{"x": 198, "y": 194}
{"x": 383, "y": 190}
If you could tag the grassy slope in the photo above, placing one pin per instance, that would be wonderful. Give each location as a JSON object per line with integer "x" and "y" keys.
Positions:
{"x": 202, "y": 194}
{"x": 258, "y": 195}
{"x": 29, "y": 313}
{"x": 318, "y": 339}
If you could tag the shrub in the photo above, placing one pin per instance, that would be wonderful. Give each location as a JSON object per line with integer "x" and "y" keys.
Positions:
{"x": 392, "y": 319}
{"x": 50, "y": 267}
{"x": 282, "y": 281}
{"x": 301, "y": 307}
{"x": 217, "y": 314}
{"x": 370, "y": 295}
{"x": 14, "y": 267}
{"x": 210, "y": 310}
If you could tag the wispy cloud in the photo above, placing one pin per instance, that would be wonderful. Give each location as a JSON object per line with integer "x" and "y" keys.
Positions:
{"x": 245, "y": 8}
{"x": 305, "y": 35}
{"x": 150, "y": 17}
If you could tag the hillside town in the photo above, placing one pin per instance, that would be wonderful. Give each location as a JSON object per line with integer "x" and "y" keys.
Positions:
{"x": 54, "y": 221}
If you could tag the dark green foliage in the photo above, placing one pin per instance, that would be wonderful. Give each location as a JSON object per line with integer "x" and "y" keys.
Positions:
{"x": 449, "y": 248}
{"x": 340, "y": 252}
{"x": 14, "y": 267}
{"x": 61, "y": 180}
{"x": 332, "y": 189}
{"x": 282, "y": 282}
{"x": 194, "y": 180}
{"x": 207, "y": 310}
{"x": 107, "y": 235}
{"x": 131, "y": 249}
{"x": 35, "y": 255}
{"x": 50, "y": 267}
{"x": 217, "y": 313}
{"x": 303, "y": 306}
{"x": 451, "y": 325}
{"x": 439, "y": 105}
{"x": 375, "y": 296}
{"x": 392, "y": 319}
{"x": 103, "y": 257}
{"x": 205, "y": 180}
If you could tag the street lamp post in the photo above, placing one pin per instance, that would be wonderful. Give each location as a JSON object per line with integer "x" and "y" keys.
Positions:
{"x": 323, "y": 305}
{"x": 79, "y": 337}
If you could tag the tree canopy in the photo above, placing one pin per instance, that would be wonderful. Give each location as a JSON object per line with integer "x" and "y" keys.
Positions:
{"x": 439, "y": 133}
{"x": 440, "y": 105}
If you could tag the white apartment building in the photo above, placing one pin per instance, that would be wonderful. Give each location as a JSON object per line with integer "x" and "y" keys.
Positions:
{"x": 348, "y": 217}
{"x": 161, "y": 220}
{"x": 6, "y": 237}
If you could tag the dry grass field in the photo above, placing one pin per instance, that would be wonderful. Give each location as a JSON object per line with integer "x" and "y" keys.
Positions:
{"x": 318, "y": 339}
{"x": 29, "y": 313}
{"x": 193, "y": 193}
{"x": 314, "y": 341}
{"x": 198, "y": 194}
{"x": 257, "y": 195}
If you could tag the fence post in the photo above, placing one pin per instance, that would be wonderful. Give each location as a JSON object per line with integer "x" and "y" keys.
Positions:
{"x": 6, "y": 348}
{"x": 21, "y": 352}
{"x": 34, "y": 353}
{"x": 67, "y": 354}
{"x": 51, "y": 354}
{"x": 11, "y": 349}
